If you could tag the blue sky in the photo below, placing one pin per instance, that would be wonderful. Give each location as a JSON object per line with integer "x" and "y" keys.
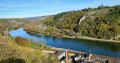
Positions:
{"x": 31, "y": 8}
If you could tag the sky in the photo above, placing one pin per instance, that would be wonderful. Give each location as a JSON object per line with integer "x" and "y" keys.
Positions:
{"x": 33, "y": 8}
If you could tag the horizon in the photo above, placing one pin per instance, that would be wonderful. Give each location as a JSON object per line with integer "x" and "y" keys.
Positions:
{"x": 31, "y": 8}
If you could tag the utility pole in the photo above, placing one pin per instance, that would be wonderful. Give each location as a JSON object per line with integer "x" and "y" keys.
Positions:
{"x": 66, "y": 56}
{"x": 118, "y": 56}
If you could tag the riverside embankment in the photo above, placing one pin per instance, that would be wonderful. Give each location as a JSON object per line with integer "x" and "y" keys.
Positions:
{"x": 101, "y": 48}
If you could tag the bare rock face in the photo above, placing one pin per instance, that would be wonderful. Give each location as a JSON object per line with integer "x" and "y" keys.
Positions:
{"x": 96, "y": 12}
{"x": 83, "y": 18}
{"x": 91, "y": 14}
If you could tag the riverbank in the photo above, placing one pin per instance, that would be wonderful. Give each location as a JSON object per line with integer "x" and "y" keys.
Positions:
{"x": 52, "y": 50}
{"x": 108, "y": 49}
{"x": 100, "y": 40}
{"x": 111, "y": 59}
{"x": 82, "y": 38}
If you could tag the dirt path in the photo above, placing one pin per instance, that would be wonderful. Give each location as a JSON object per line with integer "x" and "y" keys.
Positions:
{"x": 100, "y": 39}
{"x": 46, "y": 51}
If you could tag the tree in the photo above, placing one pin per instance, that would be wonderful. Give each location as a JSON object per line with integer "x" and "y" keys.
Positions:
{"x": 22, "y": 41}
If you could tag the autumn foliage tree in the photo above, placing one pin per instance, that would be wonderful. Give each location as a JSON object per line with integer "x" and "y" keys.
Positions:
{"x": 22, "y": 41}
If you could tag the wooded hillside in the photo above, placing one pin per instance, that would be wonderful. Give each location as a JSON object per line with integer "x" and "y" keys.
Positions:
{"x": 102, "y": 22}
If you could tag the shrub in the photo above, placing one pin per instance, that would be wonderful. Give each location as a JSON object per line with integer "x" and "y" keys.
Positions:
{"x": 66, "y": 31}
{"x": 38, "y": 53}
{"x": 22, "y": 41}
{"x": 53, "y": 59}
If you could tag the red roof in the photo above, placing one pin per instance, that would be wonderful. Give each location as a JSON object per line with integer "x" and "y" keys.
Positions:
{"x": 34, "y": 24}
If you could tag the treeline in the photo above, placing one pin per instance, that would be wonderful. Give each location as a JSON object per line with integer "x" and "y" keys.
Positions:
{"x": 48, "y": 30}
{"x": 3, "y": 25}
{"x": 11, "y": 23}
{"x": 102, "y": 22}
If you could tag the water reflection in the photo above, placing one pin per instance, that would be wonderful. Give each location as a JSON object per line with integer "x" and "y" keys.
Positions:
{"x": 102, "y": 48}
{"x": 106, "y": 45}
{"x": 54, "y": 38}
{"x": 45, "y": 36}
{"x": 36, "y": 35}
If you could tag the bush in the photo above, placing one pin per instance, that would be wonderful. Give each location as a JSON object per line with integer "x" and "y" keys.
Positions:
{"x": 22, "y": 41}
{"x": 53, "y": 59}
{"x": 66, "y": 31}
{"x": 38, "y": 53}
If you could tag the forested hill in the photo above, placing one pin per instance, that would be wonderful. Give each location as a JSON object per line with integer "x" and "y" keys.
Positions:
{"x": 102, "y": 22}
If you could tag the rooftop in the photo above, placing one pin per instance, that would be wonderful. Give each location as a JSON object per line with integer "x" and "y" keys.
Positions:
{"x": 58, "y": 53}
{"x": 34, "y": 24}
{"x": 69, "y": 59}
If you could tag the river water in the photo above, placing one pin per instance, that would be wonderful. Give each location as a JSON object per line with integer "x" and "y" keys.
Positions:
{"x": 101, "y": 48}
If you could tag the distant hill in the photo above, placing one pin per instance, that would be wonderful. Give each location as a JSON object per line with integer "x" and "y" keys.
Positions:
{"x": 36, "y": 18}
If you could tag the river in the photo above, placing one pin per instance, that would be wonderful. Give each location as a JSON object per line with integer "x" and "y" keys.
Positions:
{"x": 101, "y": 48}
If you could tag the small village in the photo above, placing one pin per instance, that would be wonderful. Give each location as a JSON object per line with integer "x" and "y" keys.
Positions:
{"x": 65, "y": 57}
{"x": 79, "y": 58}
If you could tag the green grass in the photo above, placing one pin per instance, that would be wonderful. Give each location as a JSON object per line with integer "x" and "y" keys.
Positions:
{"x": 35, "y": 45}
{"x": 38, "y": 45}
{"x": 10, "y": 37}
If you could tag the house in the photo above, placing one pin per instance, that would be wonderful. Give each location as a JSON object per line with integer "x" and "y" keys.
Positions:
{"x": 78, "y": 56}
{"x": 83, "y": 58}
{"x": 84, "y": 61}
{"x": 101, "y": 60}
{"x": 69, "y": 59}
{"x": 63, "y": 56}
{"x": 60, "y": 54}
{"x": 117, "y": 62}
{"x": 89, "y": 56}
{"x": 34, "y": 24}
